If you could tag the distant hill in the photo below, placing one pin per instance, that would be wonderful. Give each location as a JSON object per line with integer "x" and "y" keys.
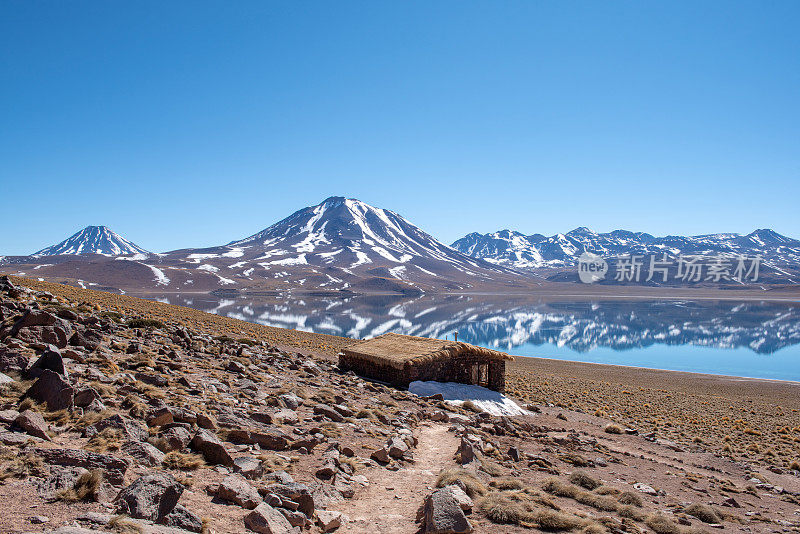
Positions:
{"x": 93, "y": 240}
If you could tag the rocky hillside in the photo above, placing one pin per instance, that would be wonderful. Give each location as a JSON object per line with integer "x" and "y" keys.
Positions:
{"x": 118, "y": 420}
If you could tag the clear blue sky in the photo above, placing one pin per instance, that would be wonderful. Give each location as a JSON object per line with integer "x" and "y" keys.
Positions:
{"x": 185, "y": 124}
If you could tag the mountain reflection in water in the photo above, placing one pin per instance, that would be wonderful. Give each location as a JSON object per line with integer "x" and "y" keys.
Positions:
{"x": 760, "y": 326}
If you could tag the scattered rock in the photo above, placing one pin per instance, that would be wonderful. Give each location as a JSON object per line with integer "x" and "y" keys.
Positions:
{"x": 329, "y": 520}
{"x": 265, "y": 519}
{"x": 113, "y": 468}
{"x": 443, "y": 514}
{"x": 151, "y": 497}
{"x": 53, "y": 390}
{"x": 211, "y": 448}
{"x": 237, "y": 490}
{"x": 33, "y": 423}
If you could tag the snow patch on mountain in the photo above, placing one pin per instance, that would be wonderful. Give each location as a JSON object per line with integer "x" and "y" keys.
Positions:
{"x": 93, "y": 240}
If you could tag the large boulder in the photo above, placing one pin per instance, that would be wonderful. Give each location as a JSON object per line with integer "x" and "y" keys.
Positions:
{"x": 152, "y": 497}
{"x": 182, "y": 518}
{"x": 272, "y": 439}
{"x": 143, "y": 453}
{"x": 443, "y": 514}
{"x": 237, "y": 490}
{"x": 212, "y": 449}
{"x": 113, "y": 468}
{"x": 50, "y": 359}
{"x": 267, "y": 520}
{"x": 53, "y": 390}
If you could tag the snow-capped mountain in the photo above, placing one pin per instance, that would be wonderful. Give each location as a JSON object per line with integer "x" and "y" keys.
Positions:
{"x": 518, "y": 251}
{"x": 342, "y": 243}
{"x": 93, "y": 240}
{"x": 352, "y": 234}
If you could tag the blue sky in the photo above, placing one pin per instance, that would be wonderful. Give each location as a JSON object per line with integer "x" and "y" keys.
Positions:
{"x": 182, "y": 124}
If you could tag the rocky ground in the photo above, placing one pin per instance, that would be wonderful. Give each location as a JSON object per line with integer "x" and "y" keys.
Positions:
{"x": 119, "y": 415}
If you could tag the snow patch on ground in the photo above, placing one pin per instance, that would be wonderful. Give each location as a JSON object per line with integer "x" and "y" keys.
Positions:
{"x": 207, "y": 267}
{"x": 161, "y": 278}
{"x": 489, "y": 401}
{"x": 233, "y": 253}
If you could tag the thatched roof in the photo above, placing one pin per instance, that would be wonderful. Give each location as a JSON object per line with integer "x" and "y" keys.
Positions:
{"x": 399, "y": 351}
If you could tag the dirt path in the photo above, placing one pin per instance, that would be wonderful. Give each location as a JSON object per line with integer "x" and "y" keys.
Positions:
{"x": 389, "y": 504}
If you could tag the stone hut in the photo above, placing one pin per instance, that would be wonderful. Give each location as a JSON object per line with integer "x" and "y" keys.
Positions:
{"x": 399, "y": 360}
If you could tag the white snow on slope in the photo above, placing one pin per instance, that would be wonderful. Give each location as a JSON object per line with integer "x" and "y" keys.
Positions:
{"x": 161, "y": 278}
{"x": 489, "y": 401}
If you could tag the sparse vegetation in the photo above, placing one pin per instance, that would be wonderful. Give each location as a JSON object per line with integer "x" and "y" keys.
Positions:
{"x": 462, "y": 477}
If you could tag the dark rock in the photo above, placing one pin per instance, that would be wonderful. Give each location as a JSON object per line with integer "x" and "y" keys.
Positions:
{"x": 381, "y": 456}
{"x": 89, "y": 339}
{"x": 237, "y": 490}
{"x": 33, "y": 423}
{"x": 130, "y": 428}
{"x": 211, "y": 448}
{"x": 53, "y": 390}
{"x": 176, "y": 438}
{"x": 151, "y": 497}
{"x": 152, "y": 379}
{"x": 294, "y": 491}
{"x": 443, "y": 514}
{"x": 248, "y": 467}
{"x": 328, "y": 412}
{"x": 182, "y": 518}
{"x": 267, "y": 520}
{"x": 144, "y": 453}
{"x": 51, "y": 359}
{"x": 113, "y": 468}
{"x": 272, "y": 439}
{"x": 85, "y": 397}
{"x": 12, "y": 362}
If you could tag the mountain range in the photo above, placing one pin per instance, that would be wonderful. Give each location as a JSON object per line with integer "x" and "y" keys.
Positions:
{"x": 531, "y": 252}
{"x": 345, "y": 245}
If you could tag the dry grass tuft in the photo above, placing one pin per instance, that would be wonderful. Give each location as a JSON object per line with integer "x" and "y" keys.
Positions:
{"x": 629, "y": 498}
{"x": 704, "y": 513}
{"x": 611, "y": 428}
{"x": 183, "y": 461}
{"x": 123, "y": 525}
{"x": 550, "y": 520}
{"x": 461, "y": 477}
{"x": 275, "y": 462}
{"x": 661, "y": 524}
{"x": 498, "y": 508}
{"x": 585, "y": 481}
{"x": 16, "y": 466}
{"x": 86, "y": 488}
{"x": 559, "y": 488}
{"x": 108, "y": 439}
{"x": 507, "y": 483}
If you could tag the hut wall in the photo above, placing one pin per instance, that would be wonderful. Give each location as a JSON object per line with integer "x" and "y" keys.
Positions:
{"x": 460, "y": 369}
{"x": 384, "y": 373}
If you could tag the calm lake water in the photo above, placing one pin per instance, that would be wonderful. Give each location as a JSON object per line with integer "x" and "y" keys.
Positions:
{"x": 751, "y": 339}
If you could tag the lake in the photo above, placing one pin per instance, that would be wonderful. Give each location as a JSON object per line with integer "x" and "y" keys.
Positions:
{"x": 758, "y": 339}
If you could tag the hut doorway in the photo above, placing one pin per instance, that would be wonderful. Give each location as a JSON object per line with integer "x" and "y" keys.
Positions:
{"x": 480, "y": 374}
